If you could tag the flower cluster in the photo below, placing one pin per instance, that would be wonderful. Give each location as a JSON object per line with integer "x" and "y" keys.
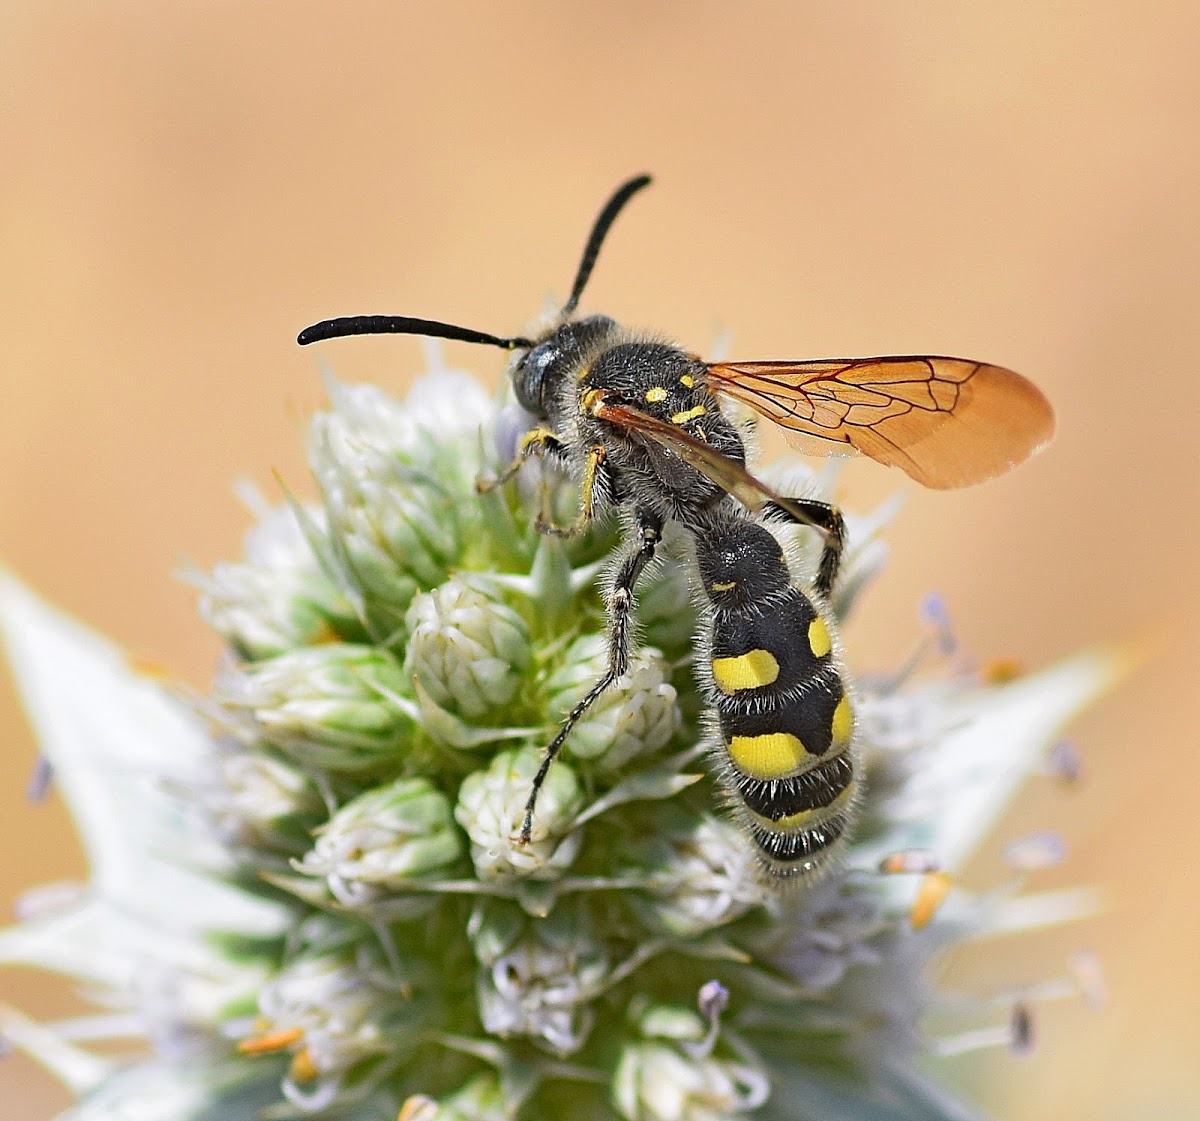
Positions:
{"x": 309, "y": 890}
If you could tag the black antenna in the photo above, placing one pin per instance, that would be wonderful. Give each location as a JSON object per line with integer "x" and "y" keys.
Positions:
{"x": 595, "y": 239}
{"x": 401, "y": 325}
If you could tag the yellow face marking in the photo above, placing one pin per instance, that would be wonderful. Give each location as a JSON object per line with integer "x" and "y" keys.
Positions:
{"x": 690, "y": 414}
{"x": 591, "y": 400}
{"x": 658, "y": 393}
{"x": 818, "y": 637}
{"x": 746, "y": 671}
{"x": 687, "y": 380}
{"x": 769, "y": 756}
{"x": 727, "y": 586}
{"x": 843, "y": 722}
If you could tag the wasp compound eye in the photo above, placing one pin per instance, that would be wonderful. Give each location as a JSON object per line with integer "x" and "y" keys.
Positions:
{"x": 529, "y": 379}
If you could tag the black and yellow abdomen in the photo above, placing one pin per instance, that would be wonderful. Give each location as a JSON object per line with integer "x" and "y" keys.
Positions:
{"x": 782, "y": 715}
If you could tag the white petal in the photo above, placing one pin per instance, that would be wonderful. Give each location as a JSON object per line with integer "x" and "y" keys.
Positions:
{"x": 114, "y": 739}
{"x": 160, "y": 1091}
{"x": 77, "y": 1069}
{"x": 971, "y": 774}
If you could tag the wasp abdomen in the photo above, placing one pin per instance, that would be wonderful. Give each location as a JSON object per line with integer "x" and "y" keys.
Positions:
{"x": 784, "y": 720}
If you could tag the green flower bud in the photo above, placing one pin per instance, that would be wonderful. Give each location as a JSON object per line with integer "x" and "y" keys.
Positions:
{"x": 706, "y": 876}
{"x": 467, "y": 649}
{"x": 491, "y": 808}
{"x": 666, "y": 611}
{"x": 670, "y": 1076}
{"x": 381, "y": 839}
{"x": 335, "y": 1010}
{"x": 481, "y": 1099}
{"x": 261, "y": 800}
{"x": 638, "y": 715}
{"x": 398, "y": 522}
{"x": 541, "y": 986}
{"x": 279, "y": 598}
{"x": 329, "y": 706}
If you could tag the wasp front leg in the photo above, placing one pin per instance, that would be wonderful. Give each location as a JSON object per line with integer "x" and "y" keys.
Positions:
{"x": 540, "y": 442}
{"x": 620, "y": 623}
{"x": 597, "y": 481}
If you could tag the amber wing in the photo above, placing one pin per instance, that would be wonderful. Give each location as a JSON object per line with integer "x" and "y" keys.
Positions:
{"x": 946, "y": 422}
{"x": 731, "y": 477}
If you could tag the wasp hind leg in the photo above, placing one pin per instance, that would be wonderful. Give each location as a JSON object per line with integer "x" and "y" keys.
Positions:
{"x": 824, "y": 517}
{"x": 620, "y": 604}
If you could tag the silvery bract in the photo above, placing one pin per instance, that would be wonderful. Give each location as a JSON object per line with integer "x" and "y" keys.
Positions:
{"x": 307, "y": 893}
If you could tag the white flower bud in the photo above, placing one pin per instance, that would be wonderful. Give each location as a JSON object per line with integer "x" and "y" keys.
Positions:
{"x": 466, "y": 648}
{"x": 398, "y": 495}
{"x": 330, "y": 706}
{"x": 278, "y": 598}
{"x": 481, "y": 1099}
{"x": 333, "y": 1010}
{"x": 659, "y": 1079}
{"x": 541, "y": 985}
{"x": 637, "y": 715}
{"x": 708, "y": 875}
{"x": 256, "y": 796}
{"x": 491, "y": 808}
{"x": 383, "y": 838}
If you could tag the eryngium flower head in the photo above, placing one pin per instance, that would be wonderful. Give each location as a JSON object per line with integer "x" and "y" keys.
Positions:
{"x": 309, "y": 892}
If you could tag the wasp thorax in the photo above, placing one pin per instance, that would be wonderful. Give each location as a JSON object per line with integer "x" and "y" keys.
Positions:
{"x": 741, "y": 565}
{"x": 555, "y": 357}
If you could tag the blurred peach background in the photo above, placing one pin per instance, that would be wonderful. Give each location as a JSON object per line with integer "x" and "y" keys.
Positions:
{"x": 183, "y": 186}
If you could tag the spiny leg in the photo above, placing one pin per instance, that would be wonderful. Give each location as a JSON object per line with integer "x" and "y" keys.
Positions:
{"x": 649, "y": 534}
{"x": 828, "y": 519}
{"x": 595, "y": 476}
{"x": 537, "y": 441}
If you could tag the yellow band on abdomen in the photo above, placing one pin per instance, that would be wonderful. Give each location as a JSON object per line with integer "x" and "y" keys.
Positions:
{"x": 751, "y": 670}
{"x": 768, "y": 756}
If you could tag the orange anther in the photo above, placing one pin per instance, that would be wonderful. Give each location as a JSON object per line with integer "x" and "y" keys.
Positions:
{"x": 933, "y": 890}
{"x": 271, "y": 1042}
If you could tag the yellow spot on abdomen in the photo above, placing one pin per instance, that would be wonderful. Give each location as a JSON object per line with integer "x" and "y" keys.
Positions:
{"x": 843, "y": 722}
{"x": 769, "y": 756}
{"x": 818, "y": 638}
{"x": 726, "y": 586}
{"x": 658, "y": 393}
{"x": 690, "y": 414}
{"x": 687, "y": 380}
{"x": 746, "y": 671}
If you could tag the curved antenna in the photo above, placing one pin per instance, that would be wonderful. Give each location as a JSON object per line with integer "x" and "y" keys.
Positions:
{"x": 401, "y": 325}
{"x": 596, "y": 238}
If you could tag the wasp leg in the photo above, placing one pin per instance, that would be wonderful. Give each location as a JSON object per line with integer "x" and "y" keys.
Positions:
{"x": 649, "y": 534}
{"x": 537, "y": 441}
{"x": 828, "y": 519}
{"x": 596, "y": 477}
